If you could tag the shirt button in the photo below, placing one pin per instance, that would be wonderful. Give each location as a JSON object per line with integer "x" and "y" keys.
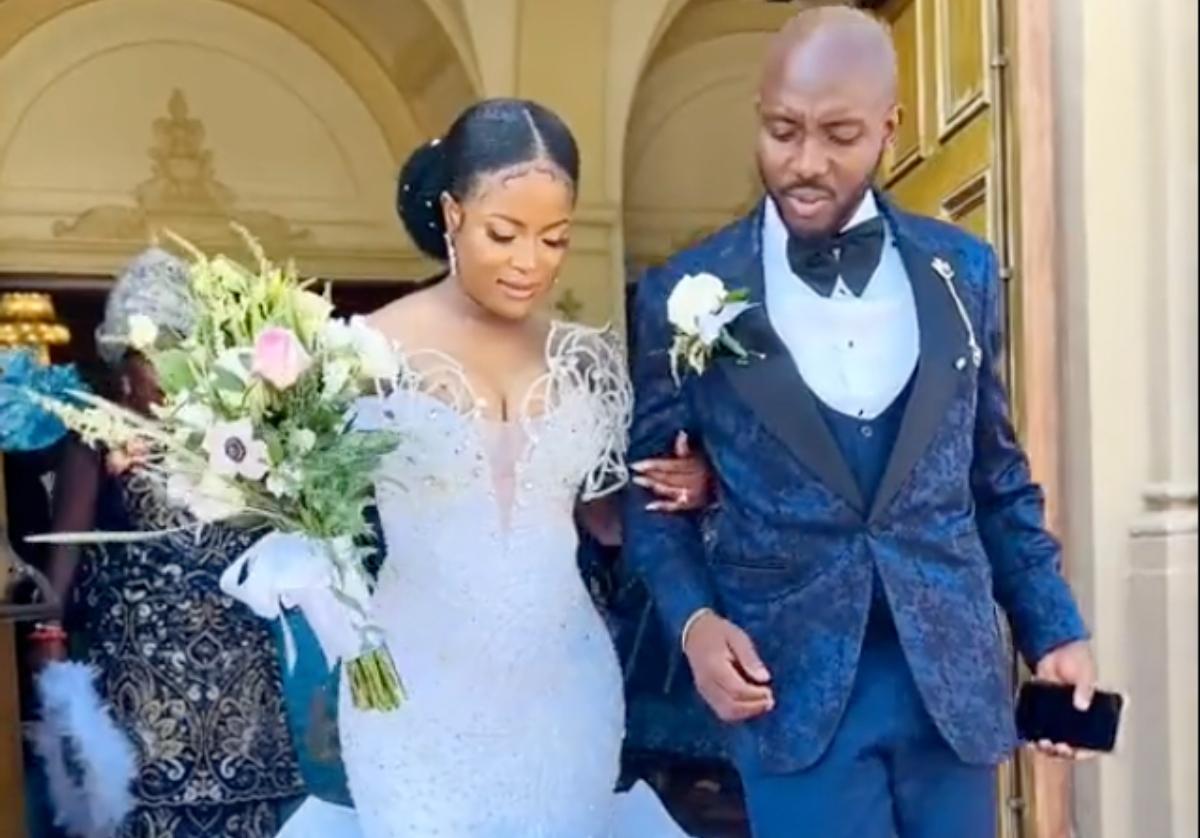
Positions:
{"x": 867, "y": 431}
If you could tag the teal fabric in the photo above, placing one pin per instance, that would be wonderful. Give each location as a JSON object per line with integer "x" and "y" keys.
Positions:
{"x": 310, "y": 694}
{"x": 24, "y": 426}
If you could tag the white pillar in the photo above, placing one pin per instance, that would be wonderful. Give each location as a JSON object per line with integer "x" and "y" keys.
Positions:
{"x": 1126, "y": 95}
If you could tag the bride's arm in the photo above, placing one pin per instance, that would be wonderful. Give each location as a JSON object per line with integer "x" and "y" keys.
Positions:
{"x": 682, "y": 483}
{"x": 679, "y": 481}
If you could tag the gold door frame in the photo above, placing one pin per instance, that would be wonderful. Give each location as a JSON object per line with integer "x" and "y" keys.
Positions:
{"x": 1011, "y": 777}
{"x": 1025, "y": 57}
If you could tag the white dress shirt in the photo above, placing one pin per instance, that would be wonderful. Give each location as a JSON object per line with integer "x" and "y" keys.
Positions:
{"x": 856, "y": 354}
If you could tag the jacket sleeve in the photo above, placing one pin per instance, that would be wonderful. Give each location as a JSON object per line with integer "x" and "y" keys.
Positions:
{"x": 665, "y": 549}
{"x": 1010, "y": 510}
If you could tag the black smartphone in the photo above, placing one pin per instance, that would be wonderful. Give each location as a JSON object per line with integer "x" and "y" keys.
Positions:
{"x": 1047, "y": 712}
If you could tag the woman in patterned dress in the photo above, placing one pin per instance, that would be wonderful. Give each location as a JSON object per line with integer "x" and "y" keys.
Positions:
{"x": 192, "y": 676}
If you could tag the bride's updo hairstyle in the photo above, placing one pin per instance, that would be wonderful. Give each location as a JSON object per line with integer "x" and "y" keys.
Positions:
{"x": 488, "y": 137}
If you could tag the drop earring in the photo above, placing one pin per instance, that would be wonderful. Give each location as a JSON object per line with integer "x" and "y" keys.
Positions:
{"x": 451, "y": 255}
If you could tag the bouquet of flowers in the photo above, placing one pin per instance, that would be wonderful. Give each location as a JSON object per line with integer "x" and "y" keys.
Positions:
{"x": 255, "y": 428}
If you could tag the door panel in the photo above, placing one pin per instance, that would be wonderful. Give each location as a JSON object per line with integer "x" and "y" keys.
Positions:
{"x": 947, "y": 160}
{"x": 945, "y": 157}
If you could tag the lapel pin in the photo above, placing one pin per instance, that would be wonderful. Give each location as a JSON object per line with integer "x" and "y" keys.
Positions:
{"x": 946, "y": 271}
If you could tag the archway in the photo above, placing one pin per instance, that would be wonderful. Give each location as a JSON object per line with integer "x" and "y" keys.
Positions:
{"x": 289, "y": 116}
{"x": 697, "y": 81}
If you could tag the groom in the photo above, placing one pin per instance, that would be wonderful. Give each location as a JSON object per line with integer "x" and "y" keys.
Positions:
{"x": 839, "y": 605}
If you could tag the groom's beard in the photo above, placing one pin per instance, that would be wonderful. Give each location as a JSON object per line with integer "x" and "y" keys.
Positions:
{"x": 845, "y": 211}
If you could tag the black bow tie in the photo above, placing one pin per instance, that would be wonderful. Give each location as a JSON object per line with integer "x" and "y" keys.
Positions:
{"x": 852, "y": 254}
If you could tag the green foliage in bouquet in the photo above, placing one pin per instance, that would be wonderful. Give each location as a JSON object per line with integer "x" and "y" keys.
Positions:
{"x": 256, "y": 420}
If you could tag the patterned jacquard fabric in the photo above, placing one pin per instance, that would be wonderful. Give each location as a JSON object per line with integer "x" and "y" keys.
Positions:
{"x": 191, "y": 675}
{"x": 956, "y": 528}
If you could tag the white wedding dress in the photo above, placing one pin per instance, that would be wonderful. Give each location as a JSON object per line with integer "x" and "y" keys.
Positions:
{"x": 515, "y": 716}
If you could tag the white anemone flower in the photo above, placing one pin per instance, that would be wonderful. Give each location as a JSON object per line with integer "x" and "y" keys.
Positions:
{"x": 233, "y": 451}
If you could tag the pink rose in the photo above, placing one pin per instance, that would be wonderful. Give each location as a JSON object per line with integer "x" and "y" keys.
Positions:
{"x": 279, "y": 357}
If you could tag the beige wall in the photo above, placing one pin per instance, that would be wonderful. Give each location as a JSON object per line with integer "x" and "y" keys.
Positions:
{"x": 289, "y": 118}
{"x": 1127, "y": 140}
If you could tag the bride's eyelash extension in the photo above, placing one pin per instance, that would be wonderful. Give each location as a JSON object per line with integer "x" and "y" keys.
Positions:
{"x": 499, "y": 238}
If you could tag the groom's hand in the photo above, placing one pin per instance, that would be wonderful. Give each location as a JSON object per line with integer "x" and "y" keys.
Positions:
{"x": 728, "y": 672}
{"x": 1071, "y": 665}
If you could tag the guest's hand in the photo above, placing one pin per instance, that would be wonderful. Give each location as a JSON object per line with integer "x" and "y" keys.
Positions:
{"x": 121, "y": 460}
{"x": 47, "y": 643}
{"x": 729, "y": 675}
{"x": 682, "y": 483}
{"x": 1071, "y": 665}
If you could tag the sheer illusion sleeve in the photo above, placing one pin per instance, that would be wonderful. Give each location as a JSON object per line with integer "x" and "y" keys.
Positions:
{"x": 597, "y": 359}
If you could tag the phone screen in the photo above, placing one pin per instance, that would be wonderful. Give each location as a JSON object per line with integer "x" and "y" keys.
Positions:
{"x": 1047, "y": 712}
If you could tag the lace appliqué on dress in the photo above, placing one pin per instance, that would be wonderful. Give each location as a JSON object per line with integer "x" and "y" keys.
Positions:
{"x": 585, "y": 387}
{"x": 592, "y": 361}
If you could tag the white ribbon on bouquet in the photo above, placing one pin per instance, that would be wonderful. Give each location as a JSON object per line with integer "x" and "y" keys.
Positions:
{"x": 321, "y": 578}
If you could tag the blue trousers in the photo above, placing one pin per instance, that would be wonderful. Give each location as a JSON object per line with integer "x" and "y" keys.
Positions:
{"x": 887, "y": 773}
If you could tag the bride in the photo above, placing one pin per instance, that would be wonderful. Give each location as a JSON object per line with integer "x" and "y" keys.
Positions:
{"x": 512, "y": 424}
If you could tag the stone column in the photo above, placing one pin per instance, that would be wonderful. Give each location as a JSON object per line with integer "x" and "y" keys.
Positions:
{"x": 1162, "y": 650}
{"x": 1126, "y": 113}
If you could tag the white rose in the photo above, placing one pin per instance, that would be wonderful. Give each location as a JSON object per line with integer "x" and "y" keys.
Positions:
{"x": 375, "y": 352}
{"x": 694, "y": 297}
{"x": 143, "y": 332}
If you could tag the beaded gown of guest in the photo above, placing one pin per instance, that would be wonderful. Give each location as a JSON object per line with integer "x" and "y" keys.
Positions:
{"x": 192, "y": 676}
{"x": 515, "y": 716}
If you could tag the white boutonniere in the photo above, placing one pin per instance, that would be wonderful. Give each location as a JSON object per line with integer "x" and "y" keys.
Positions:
{"x": 700, "y": 310}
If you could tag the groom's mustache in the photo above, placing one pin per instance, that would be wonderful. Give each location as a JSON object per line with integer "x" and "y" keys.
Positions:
{"x": 809, "y": 189}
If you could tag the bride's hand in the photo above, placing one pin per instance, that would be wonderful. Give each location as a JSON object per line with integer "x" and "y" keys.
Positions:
{"x": 683, "y": 483}
{"x": 121, "y": 460}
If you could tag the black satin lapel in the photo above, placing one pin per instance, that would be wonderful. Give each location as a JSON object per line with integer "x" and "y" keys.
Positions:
{"x": 774, "y": 389}
{"x": 943, "y": 342}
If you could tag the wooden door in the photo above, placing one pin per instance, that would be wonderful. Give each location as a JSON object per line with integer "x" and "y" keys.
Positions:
{"x": 12, "y": 785}
{"x": 950, "y": 158}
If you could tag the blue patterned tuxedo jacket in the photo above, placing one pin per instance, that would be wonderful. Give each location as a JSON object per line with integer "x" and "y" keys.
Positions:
{"x": 791, "y": 551}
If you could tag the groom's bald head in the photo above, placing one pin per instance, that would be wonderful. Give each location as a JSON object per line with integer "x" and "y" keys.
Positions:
{"x": 827, "y": 110}
{"x": 832, "y": 46}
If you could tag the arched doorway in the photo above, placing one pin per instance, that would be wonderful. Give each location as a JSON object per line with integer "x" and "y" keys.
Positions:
{"x": 287, "y": 116}
{"x": 123, "y": 117}
{"x": 698, "y": 82}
